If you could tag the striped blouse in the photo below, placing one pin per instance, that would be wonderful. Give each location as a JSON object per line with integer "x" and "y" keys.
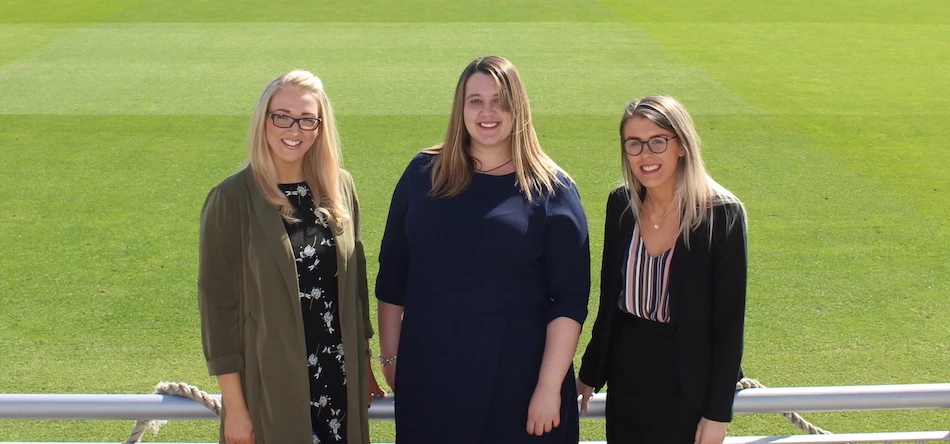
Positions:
{"x": 646, "y": 293}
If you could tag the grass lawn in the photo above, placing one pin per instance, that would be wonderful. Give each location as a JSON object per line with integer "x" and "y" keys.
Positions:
{"x": 828, "y": 118}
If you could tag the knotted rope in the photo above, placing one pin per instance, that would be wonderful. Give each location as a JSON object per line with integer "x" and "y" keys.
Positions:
{"x": 177, "y": 389}
{"x": 195, "y": 394}
{"x": 793, "y": 418}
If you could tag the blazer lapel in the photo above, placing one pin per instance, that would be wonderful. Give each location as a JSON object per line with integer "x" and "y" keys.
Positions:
{"x": 273, "y": 227}
{"x": 626, "y": 231}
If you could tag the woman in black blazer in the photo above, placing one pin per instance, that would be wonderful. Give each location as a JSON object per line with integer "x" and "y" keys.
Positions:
{"x": 668, "y": 334}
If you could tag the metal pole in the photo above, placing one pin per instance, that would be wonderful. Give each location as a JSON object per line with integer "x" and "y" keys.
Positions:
{"x": 757, "y": 400}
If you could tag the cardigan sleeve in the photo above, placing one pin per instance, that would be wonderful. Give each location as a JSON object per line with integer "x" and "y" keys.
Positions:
{"x": 593, "y": 371}
{"x": 728, "y": 310}
{"x": 567, "y": 255}
{"x": 362, "y": 287}
{"x": 219, "y": 292}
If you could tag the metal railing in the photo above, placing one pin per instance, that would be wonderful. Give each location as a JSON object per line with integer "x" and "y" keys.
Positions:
{"x": 755, "y": 400}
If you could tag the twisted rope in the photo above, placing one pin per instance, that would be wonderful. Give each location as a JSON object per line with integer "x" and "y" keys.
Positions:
{"x": 176, "y": 389}
{"x": 792, "y": 417}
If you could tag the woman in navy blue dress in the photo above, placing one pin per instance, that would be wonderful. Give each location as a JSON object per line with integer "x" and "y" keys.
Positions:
{"x": 484, "y": 278}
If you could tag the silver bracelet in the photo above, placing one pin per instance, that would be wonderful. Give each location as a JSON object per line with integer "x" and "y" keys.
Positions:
{"x": 386, "y": 361}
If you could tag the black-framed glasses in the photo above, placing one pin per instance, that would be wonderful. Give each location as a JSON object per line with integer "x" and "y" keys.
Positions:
{"x": 285, "y": 121}
{"x": 656, "y": 145}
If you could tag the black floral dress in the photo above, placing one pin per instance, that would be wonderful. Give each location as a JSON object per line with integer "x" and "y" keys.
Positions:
{"x": 315, "y": 253}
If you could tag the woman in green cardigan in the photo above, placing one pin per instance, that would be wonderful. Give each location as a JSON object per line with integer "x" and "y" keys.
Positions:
{"x": 282, "y": 280}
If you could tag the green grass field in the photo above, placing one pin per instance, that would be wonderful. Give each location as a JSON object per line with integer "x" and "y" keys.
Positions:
{"x": 828, "y": 118}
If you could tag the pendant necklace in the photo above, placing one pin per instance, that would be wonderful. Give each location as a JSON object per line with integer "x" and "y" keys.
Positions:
{"x": 656, "y": 223}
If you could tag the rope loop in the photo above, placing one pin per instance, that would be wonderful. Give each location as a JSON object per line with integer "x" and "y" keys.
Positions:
{"x": 181, "y": 389}
{"x": 792, "y": 417}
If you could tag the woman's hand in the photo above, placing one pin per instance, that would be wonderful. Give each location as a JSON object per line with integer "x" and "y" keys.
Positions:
{"x": 372, "y": 387}
{"x": 586, "y": 393}
{"x": 544, "y": 411}
{"x": 711, "y": 432}
{"x": 238, "y": 428}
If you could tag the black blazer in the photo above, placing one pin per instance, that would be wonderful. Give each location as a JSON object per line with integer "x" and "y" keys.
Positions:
{"x": 707, "y": 285}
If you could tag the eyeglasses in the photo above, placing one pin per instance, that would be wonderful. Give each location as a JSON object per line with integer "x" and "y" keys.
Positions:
{"x": 305, "y": 124}
{"x": 656, "y": 144}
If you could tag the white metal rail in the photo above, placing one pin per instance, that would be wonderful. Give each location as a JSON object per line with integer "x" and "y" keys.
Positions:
{"x": 755, "y": 400}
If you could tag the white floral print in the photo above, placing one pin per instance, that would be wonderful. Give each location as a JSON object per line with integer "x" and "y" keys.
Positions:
{"x": 335, "y": 427}
{"x": 314, "y": 252}
{"x": 328, "y": 321}
{"x": 301, "y": 190}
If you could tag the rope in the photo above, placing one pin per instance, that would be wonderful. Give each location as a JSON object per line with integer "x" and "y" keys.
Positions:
{"x": 176, "y": 389}
{"x": 793, "y": 418}
{"x": 195, "y": 394}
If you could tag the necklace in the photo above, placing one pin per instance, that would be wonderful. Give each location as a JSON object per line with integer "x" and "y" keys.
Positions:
{"x": 656, "y": 223}
{"x": 493, "y": 169}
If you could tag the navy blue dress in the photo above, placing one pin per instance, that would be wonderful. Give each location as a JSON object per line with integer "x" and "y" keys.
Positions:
{"x": 480, "y": 276}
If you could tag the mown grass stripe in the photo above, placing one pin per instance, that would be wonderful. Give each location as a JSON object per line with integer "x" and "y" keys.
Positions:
{"x": 375, "y": 69}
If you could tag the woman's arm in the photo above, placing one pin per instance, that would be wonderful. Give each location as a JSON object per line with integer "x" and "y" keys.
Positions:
{"x": 219, "y": 292}
{"x": 238, "y": 428}
{"x": 390, "y": 325}
{"x": 219, "y": 302}
{"x": 393, "y": 276}
{"x": 362, "y": 291}
{"x": 567, "y": 272}
{"x": 593, "y": 372}
{"x": 544, "y": 411}
{"x": 728, "y": 313}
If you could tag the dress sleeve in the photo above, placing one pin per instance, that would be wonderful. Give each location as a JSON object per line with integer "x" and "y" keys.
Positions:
{"x": 567, "y": 255}
{"x": 362, "y": 286}
{"x": 394, "y": 257}
{"x": 728, "y": 311}
{"x": 219, "y": 292}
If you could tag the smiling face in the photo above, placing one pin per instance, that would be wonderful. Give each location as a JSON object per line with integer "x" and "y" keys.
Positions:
{"x": 289, "y": 145}
{"x": 654, "y": 171}
{"x": 486, "y": 121}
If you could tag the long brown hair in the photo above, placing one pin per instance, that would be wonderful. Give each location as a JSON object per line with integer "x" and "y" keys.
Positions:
{"x": 454, "y": 166}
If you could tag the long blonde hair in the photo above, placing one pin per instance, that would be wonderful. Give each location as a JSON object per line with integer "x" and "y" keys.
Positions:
{"x": 696, "y": 192}
{"x": 454, "y": 167}
{"x": 321, "y": 163}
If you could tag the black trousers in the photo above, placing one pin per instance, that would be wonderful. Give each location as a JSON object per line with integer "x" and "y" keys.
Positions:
{"x": 645, "y": 401}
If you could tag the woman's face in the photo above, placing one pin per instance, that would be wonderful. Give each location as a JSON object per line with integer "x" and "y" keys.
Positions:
{"x": 288, "y": 145}
{"x": 650, "y": 168}
{"x": 487, "y": 122}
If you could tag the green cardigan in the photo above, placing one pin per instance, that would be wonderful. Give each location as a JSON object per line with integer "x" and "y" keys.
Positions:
{"x": 250, "y": 310}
